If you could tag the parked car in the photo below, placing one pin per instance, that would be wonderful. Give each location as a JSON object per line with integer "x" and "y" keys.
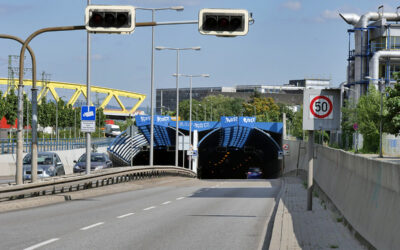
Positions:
{"x": 49, "y": 164}
{"x": 112, "y": 130}
{"x": 254, "y": 173}
{"x": 97, "y": 161}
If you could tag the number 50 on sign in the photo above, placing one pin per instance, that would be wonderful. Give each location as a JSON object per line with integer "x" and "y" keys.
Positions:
{"x": 321, "y": 106}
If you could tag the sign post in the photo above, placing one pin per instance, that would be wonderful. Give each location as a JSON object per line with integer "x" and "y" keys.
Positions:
{"x": 321, "y": 109}
{"x": 88, "y": 119}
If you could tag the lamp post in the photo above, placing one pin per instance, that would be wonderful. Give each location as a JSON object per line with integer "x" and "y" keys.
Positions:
{"x": 205, "y": 110}
{"x": 255, "y": 112}
{"x": 177, "y": 95}
{"x": 355, "y": 93}
{"x": 57, "y": 100}
{"x": 381, "y": 89}
{"x": 190, "y": 108}
{"x": 381, "y": 81}
{"x": 153, "y": 10}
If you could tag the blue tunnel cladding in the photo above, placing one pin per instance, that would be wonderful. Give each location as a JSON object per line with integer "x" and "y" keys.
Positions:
{"x": 227, "y": 149}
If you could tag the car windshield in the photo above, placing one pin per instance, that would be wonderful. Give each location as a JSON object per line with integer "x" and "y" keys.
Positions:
{"x": 254, "y": 170}
{"x": 42, "y": 159}
{"x": 93, "y": 158}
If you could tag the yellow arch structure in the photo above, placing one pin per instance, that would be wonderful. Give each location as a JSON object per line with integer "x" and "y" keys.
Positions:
{"x": 51, "y": 87}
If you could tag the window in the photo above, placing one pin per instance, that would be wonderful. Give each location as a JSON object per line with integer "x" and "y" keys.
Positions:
{"x": 395, "y": 42}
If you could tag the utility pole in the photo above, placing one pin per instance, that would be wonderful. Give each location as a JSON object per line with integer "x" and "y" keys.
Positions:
{"x": 310, "y": 169}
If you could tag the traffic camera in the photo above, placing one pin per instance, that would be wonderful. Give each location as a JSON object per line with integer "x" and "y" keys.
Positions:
{"x": 110, "y": 19}
{"x": 224, "y": 22}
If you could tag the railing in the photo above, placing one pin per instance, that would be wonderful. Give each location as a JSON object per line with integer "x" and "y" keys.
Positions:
{"x": 63, "y": 184}
{"x": 9, "y": 146}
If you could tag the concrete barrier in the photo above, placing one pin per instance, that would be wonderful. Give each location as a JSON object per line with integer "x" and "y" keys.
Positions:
{"x": 8, "y": 161}
{"x": 366, "y": 191}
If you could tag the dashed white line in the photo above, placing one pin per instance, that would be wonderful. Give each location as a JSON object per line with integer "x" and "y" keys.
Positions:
{"x": 180, "y": 198}
{"x": 92, "y": 226}
{"x": 149, "y": 208}
{"x": 42, "y": 244}
{"x": 165, "y": 203}
{"x": 125, "y": 215}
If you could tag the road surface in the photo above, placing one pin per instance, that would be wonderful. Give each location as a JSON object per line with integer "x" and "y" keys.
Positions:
{"x": 173, "y": 213}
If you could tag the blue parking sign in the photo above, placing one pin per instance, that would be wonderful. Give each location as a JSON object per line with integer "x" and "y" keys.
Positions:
{"x": 88, "y": 113}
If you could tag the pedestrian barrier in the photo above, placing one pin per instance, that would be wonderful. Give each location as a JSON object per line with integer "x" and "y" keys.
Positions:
{"x": 60, "y": 185}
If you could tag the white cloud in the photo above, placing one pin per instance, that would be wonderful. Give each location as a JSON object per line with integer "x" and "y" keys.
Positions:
{"x": 330, "y": 14}
{"x": 97, "y": 57}
{"x": 292, "y": 5}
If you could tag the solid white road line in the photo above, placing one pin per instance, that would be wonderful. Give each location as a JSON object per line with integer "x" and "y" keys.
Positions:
{"x": 41, "y": 244}
{"x": 165, "y": 203}
{"x": 180, "y": 198}
{"x": 148, "y": 208}
{"x": 92, "y": 226}
{"x": 125, "y": 215}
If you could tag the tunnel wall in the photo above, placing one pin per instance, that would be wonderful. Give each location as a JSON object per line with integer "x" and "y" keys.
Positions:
{"x": 366, "y": 191}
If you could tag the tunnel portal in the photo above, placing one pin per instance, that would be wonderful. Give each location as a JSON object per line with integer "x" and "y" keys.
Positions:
{"x": 226, "y": 149}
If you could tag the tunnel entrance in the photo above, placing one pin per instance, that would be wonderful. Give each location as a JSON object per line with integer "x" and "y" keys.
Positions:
{"x": 259, "y": 151}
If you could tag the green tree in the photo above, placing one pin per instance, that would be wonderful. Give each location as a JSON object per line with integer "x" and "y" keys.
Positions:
{"x": 11, "y": 107}
{"x": 266, "y": 109}
{"x": 297, "y": 124}
{"x": 3, "y": 105}
{"x": 349, "y": 118}
{"x": 392, "y": 117}
{"x": 368, "y": 119}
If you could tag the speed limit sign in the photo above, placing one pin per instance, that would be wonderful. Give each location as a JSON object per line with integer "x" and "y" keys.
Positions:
{"x": 321, "y": 107}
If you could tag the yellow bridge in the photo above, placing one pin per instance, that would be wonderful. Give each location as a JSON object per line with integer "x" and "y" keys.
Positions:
{"x": 51, "y": 86}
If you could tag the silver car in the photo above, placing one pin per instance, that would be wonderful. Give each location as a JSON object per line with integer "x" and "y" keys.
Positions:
{"x": 49, "y": 164}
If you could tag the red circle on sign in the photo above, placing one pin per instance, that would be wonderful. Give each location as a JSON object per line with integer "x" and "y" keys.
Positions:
{"x": 285, "y": 146}
{"x": 326, "y": 99}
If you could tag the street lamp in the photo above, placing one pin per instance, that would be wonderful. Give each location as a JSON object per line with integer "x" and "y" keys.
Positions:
{"x": 177, "y": 94}
{"x": 57, "y": 100}
{"x": 255, "y": 112}
{"x": 153, "y": 10}
{"x": 381, "y": 81}
{"x": 205, "y": 110}
{"x": 190, "y": 108}
{"x": 355, "y": 93}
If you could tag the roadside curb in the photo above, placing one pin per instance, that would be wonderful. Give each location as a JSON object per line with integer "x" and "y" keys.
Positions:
{"x": 276, "y": 237}
{"x": 269, "y": 227}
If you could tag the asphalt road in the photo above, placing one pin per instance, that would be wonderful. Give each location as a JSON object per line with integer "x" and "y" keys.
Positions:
{"x": 176, "y": 213}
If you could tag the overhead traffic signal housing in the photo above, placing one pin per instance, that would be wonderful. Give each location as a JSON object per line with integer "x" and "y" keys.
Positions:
{"x": 110, "y": 19}
{"x": 224, "y": 22}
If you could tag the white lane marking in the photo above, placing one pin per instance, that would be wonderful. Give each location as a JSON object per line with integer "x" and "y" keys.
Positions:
{"x": 92, "y": 226}
{"x": 125, "y": 215}
{"x": 180, "y": 198}
{"x": 148, "y": 208}
{"x": 42, "y": 244}
{"x": 165, "y": 203}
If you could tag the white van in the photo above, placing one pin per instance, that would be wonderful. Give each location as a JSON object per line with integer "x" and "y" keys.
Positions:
{"x": 112, "y": 130}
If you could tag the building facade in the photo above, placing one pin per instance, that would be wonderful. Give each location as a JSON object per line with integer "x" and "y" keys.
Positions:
{"x": 290, "y": 94}
{"x": 374, "y": 50}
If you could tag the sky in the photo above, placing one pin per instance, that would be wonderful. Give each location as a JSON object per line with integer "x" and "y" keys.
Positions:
{"x": 292, "y": 39}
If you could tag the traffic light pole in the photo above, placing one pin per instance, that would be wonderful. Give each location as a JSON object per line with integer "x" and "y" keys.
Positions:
{"x": 34, "y": 115}
{"x": 88, "y": 135}
{"x": 20, "y": 110}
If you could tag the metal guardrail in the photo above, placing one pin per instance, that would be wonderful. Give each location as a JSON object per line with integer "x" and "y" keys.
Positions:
{"x": 59, "y": 185}
{"x": 9, "y": 146}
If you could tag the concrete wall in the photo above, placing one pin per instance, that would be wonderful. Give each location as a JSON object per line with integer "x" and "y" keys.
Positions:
{"x": 8, "y": 161}
{"x": 366, "y": 191}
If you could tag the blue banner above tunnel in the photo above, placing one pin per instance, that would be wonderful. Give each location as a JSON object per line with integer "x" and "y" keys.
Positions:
{"x": 226, "y": 121}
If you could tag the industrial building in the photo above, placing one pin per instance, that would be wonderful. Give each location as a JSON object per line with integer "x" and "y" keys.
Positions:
{"x": 291, "y": 94}
{"x": 374, "y": 50}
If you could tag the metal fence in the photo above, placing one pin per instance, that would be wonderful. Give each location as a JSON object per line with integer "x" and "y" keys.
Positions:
{"x": 9, "y": 146}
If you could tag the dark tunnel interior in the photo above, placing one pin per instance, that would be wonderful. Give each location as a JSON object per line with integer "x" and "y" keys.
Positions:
{"x": 215, "y": 162}
{"x": 259, "y": 151}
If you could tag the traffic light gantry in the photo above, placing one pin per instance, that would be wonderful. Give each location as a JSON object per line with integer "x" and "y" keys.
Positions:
{"x": 224, "y": 22}
{"x": 110, "y": 19}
